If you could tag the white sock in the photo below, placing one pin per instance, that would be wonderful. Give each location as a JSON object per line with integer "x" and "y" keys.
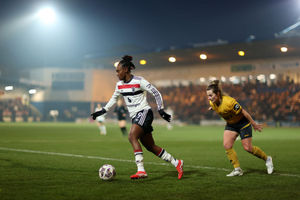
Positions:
{"x": 139, "y": 160}
{"x": 102, "y": 129}
{"x": 168, "y": 157}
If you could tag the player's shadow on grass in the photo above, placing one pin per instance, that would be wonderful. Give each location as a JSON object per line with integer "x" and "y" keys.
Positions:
{"x": 254, "y": 171}
{"x": 186, "y": 175}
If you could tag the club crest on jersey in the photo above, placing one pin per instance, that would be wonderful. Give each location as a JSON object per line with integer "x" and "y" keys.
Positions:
{"x": 236, "y": 107}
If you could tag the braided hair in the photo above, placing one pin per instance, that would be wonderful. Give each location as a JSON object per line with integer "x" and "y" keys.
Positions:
{"x": 214, "y": 86}
{"x": 126, "y": 62}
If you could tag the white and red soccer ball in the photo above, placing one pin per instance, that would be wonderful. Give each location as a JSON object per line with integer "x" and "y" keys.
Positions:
{"x": 107, "y": 172}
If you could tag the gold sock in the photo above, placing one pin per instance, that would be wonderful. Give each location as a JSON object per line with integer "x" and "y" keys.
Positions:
{"x": 232, "y": 156}
{"x": 259, "y": 153}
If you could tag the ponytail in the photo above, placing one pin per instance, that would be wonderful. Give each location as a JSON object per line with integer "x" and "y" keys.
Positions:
{"x": 126, "y": 62}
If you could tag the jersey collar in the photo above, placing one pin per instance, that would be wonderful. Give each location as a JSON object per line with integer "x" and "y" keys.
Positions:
{"x": 129, "y": 79}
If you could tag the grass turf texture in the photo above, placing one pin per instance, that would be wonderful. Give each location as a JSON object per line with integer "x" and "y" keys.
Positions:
{"x": 25, "y": 175}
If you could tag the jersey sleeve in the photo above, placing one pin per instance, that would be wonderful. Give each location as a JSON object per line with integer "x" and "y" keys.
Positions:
{"x": 146, "y": 86}
{"x": 113, "y": 99}
{"x": 236, "y": 107}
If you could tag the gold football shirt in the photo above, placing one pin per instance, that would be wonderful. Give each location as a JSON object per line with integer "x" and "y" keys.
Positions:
{"x": 229, "y": 109}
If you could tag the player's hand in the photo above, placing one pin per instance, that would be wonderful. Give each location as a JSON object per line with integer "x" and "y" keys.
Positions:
{"x": 210, "y": 108}
{"x": 164, "y": 115}
{"x": 257, "y": 127}
{"x": 98, "y": 113}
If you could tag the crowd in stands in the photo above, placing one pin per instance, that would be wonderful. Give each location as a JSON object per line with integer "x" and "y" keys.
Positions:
{"x": 275, "y": 102}
{"x": 278, "y": 102}
{"x": 13, "y": 110}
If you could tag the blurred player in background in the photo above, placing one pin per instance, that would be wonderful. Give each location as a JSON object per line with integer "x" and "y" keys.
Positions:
{"x": 120, "y": 111}
{"x": 133, "y": 88}
{"x": 239, "y": 123}
{"x": 100, "y": 120}
{"x": 170, "y": 124}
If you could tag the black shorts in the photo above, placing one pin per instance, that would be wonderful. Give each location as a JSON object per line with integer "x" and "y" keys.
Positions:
{"x": 243, "y": 128}
{"x": 121, "y": 118}
{"x": 144, "y": 119}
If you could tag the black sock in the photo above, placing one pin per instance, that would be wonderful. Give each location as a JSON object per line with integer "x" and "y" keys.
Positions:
{"x": 124, "y": 130}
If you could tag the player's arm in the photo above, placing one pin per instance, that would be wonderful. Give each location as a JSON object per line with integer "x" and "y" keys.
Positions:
{"x": 256, "y": 126}
{"x": 110, "y": 103}
{"x": 145, "y": 85}
{"x": 210, "y": 106}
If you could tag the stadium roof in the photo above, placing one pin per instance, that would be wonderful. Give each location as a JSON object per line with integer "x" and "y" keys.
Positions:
{"x": 220, "y": 52}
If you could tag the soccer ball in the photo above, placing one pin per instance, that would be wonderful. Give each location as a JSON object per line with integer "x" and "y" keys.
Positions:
{"x": 107, "y": 172}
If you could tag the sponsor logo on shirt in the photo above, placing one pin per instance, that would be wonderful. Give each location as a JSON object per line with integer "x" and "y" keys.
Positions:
{"x": 236, "y": 107}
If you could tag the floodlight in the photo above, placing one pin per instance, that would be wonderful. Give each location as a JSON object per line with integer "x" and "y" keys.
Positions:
{"x": 283, "y": 49}
{"x": 203, "y": 56}
{"x": 202, "y": 79}
{"x": 223, "y": 78}
{"x": 172, "y": 59}
{"x": 261, "y": 77}
{"x": 9, "y": 88}
{"x": 143, "y": 62}
{"x": 32, "y": 91}
{"x": 241, "y": 53}
{"x": 272, "y": 76}
{"x": 47, "y": 15}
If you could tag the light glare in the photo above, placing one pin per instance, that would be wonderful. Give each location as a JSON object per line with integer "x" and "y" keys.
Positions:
{"x": 9, "y": 88}
{"x": 272, "y": 76}
{"x": 32, "y": 91}
{"x": 143, "y": 62}
{"x": 47, "y": 15}
{"x": 203, "y": 56}
{"x": 241, "y": 53}
{"x": 283, "y": 49}
{"x": 172, "y": 59}
{"x": 202, "y": 79}
{"x": 261, "y": 77}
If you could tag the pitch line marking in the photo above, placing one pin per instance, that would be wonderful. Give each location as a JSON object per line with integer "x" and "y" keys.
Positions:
{"x": 122, "y": 160}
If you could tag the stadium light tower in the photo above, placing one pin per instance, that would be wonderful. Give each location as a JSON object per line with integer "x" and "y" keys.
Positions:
{"x": 47, "y": 15}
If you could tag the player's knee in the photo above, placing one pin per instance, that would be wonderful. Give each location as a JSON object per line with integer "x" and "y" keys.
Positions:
{"x": 248, "y": 148}
{"x": 227, "y": 146}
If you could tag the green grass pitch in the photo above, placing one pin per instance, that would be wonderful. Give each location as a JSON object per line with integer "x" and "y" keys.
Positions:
{"x": 60, "y": 161}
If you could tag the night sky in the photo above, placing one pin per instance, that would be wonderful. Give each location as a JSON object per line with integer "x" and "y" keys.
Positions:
{"x": 86, "y": 28}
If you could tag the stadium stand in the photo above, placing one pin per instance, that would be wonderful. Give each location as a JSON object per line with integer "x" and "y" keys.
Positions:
{"x": 274, "y": 104}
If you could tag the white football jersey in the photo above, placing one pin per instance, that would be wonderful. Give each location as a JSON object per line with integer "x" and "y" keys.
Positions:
{"x": 134, "y": 94}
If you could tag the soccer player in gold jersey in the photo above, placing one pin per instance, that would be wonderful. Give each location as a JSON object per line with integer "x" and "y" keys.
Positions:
{"x": 239, "y": 123}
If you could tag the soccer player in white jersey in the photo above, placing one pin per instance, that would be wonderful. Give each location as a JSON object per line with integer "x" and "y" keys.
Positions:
{"x": 100, "y": 120}
{"x": 133, "y": 88}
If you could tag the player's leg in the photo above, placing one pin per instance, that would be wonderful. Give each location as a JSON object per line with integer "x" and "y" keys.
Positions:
{"x": 255, "y": 150}
{"x": 135, "y": 133}
{"x": 101, "y": 127}
{"x": 228, "y": 141}
{"x": 148, "y": 142}
{"x": 246, "y": 136}
{"x": 122, "y": 125}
